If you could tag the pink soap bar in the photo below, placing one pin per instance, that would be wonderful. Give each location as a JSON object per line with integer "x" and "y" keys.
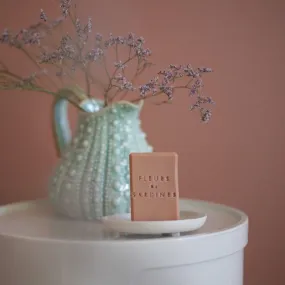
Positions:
{"x": 154, "y": 186}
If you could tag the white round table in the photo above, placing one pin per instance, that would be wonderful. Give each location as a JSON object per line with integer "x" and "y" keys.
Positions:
{"x": 38, "y": 247}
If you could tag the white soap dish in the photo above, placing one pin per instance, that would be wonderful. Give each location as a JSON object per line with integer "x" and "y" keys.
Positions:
{"x": 189, "y": 221}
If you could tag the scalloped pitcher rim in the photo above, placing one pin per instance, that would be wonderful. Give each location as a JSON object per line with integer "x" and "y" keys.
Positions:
{"x": 136, "y": 106}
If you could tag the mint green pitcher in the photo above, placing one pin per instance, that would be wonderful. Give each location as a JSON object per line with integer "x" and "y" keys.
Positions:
{"x": 91, "y": 179}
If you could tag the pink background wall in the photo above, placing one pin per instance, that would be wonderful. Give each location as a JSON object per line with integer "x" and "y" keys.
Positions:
{"x": 238, "y": 159}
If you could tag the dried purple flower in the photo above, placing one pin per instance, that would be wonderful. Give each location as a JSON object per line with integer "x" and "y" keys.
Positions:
{"x": 29, "y": 37}
{"x": 119, "y": 40}
{"x": 168, "y": 75}
{"x": 65, "y": 5}
{"x": 144, "y": 89}
{"x": 194, "y": 89}
{"x": 120, "y": 65}
{"x": 66, "y": 50}
{"x": 43, "y": 15}
{"x": 205, "y": 100}
{"x": 110, "y": 42}
{"x": 98, "y": 38}
{"x": 89, "y": 25}
{"x": 130, "y": 41}
{"x": 146, "y": 52}
{"x": 195, "y": 106}
{"x": 189, "y": 71}
{"x": 124, "y": 84}
{"x": 140, "y": 41}
{"x": 171, "y": 74}
{"x": 4, "y": 38}
{"x": 205, "y": 70}
{"x": 168, "y": 90}
{"x": 175, "y": 67}
{"x": 95, "y": 54}
{"x": 150, "y": 87}
{"x": 77, "y": 25}
{"x": 205, "y": 115}
{"x": 198, "y": 82}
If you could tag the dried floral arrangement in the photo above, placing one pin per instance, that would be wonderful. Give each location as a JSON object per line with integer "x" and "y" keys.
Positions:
{"x": 83, "y": 51}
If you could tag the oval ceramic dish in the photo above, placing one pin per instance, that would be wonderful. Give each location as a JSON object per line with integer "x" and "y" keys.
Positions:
{"x": 189, "y": 221}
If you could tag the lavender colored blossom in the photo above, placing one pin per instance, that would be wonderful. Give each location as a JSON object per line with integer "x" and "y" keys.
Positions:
{"x": 150, "y": 87}
{"x": 43, "y": 15}
{"x": 205, "y": 115}
{"x": 189, "y": 71}
{"x": 205, "y": 70}
{"x": 66, "y": 50}
{"x": 110, "y": 42}
{"x": 119, "y": 40}
{"x": 98, "y": 38}
{"x": 124, "y": 84}
{"x": 168, "y": 90}
{"x": 95, "y": 54}
{"x": 167, "y": 75}
{"x": 193, "y": 91}
{"x": 131, "y": 41}
{"x": 65, "y": 5}
{"x": 171, "y": 74}
{"x": 205, "y": 100}
{"x": 4, "y": 38}
{"x": 140, "y": 41}
{"x": 198, "y": 83}
{"x": 120, "y": 65}
{"x": 89, "y": 25}
{"x": 29, "y": 37}
{"x": 200, "y": 101}
{"x": 77, "y": 25}
{"x": 194, "y": 106}
{"x": 144, "y": 90}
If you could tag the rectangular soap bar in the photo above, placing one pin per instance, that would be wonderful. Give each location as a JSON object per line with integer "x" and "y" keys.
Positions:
{"x": 154, "y": 186}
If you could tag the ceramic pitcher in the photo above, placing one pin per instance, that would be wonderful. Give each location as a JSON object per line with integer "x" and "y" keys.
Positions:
{"x": 91, "y": 179}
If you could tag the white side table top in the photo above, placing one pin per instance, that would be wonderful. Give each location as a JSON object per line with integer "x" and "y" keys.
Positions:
{"x": 37, "y": 220}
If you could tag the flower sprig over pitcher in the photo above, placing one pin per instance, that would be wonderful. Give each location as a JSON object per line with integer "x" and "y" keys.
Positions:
{"x": 91, "y": 179}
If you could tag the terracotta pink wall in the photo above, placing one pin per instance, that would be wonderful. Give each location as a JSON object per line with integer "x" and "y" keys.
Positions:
{"x": 238, "y": 159}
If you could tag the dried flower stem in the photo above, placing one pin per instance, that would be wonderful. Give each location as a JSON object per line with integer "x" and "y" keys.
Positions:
{"x": 117, "y": 52}
{"x": 35, "y": 63}
{"x": 30, "y": 88}
{"x": 105, "y": 68}
{"x": 106, "y": 99}
{"x": 87, "y": 80}
{"x": 10, "y": 74}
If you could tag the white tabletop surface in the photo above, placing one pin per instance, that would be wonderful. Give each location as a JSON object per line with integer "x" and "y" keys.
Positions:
{"x": 37, "y": 220}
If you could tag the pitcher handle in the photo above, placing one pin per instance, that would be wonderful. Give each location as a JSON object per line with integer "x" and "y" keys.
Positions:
{"x": 61, "y": 127}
